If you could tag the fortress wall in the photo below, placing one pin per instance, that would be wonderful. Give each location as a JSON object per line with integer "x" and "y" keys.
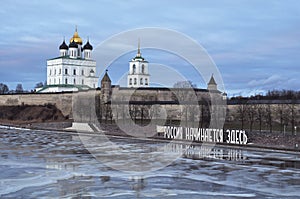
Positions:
{"x": 63, "y": 101}
{"x": 158, "y": 94}
{"x": 140, "y": 95}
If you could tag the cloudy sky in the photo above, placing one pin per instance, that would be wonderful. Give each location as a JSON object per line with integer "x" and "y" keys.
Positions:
{"x": 255, "y": 44}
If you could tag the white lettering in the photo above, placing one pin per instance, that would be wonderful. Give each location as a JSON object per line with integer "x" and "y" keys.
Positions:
{"x": 237, "y": 137}
{"x": 206, "y": 135}
{"x": 229, "y": 135}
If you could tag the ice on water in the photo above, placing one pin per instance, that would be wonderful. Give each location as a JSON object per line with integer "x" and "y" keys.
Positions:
{"x": 35, "y": 164}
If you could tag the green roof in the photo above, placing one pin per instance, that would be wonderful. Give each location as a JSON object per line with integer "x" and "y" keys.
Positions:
{"x": 79, "y": 87}
{"x": 68, "y": 57}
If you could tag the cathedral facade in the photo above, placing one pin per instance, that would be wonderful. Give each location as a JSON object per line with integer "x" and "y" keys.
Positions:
{"x": 73, "y": 70}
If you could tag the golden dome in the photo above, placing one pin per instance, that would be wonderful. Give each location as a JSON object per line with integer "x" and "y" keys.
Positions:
{"x": 76, "y": 38}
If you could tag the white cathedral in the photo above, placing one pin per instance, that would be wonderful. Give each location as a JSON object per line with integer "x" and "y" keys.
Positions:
{"x": 73, "y": 70}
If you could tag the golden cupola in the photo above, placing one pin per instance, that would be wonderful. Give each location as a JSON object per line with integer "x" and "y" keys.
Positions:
{"x": 76, "y": 38}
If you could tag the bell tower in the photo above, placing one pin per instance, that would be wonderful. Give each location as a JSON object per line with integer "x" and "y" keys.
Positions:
{"x": 138, "y": 75}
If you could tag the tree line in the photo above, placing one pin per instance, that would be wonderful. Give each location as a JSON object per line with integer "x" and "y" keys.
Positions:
{"x": 4, "y": 89}
{"x": 254, "y": 116}
{"x": 273, "y": 95}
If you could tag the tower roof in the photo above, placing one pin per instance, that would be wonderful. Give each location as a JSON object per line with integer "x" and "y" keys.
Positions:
{"x": 88, "y": 46}
{"x": 63, "y": 46}
{"x": 73, "y": 44}
{"x": 106, "y": 78}
{"x": 76, "y": 38}
{"x": 212, "y": 80}
{"x": 139, "y": 54}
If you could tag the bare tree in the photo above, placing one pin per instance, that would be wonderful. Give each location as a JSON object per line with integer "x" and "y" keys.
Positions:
{"x": 19, "y": 88}
{"x": 292, "y": 115}
{"x": 282, "y": 115}
{"x": 182, "y": 90}
{"x": 269, "y": 117}
{"x": 184, "y": 84}
{"x": 251, "y": 114}
{"x": 145, "y": 113}
{"x": 260, "y": 114}
{"x": 154, "y": 112}
{"x": 3, "y": 88}
{"x": 242, "y": 111}
{"x": 133, "y": 110}
{"x": 204, "y": 114}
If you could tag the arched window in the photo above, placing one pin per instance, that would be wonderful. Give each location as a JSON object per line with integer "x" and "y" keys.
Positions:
{"x": 74, "y": 72}
{"x": 130, "y": 81}
{"x": 135, "y": 81}
{"x": 92, "y": 72}
{"x": 87, "y": 55}
{"x": 141, "y": 81}
{"x": 66, "y": 71}
{"x": 82, "y": 72}
{"x": 133, "y": 68}
{"x": 82, "y": 82}
{"x": 146, "y": 81}
{"x": 66, "y": 81}
{"x": 143, "y": 68}
{"x": 74, "y": 81}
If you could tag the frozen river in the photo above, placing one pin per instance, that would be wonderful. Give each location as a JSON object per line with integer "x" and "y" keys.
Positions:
{"x": 44, "y": 164}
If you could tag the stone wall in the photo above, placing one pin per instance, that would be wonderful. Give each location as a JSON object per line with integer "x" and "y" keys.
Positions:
{"x": 147, "y": 102}
{"x": 167, "y": 99}
{"x": 63, "y": 101}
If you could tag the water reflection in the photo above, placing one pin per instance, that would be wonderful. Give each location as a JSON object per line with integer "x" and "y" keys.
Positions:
{"x": 138, "y": 184}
